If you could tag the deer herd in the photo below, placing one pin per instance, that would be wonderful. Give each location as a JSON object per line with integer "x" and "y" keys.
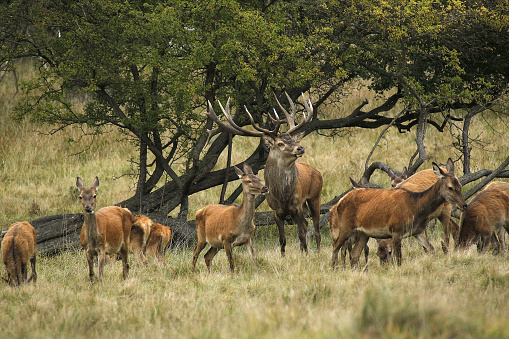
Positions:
{"x": 292, "y": 189}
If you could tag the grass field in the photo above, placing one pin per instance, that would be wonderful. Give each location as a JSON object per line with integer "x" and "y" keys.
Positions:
{"x": 460, "y": 295}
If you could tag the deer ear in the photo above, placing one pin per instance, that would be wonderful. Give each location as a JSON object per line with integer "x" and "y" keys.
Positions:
{"x": 268, "y": 140}
{"x": 450, "y": 166}
{"x": 438, "y": 171}
{"x": 247, "y": 169}
{"x": 79, "y": 183}
{"x": 298, "y": 137}
{"x": 95, "y": 184}
{"x": 238, "y": 171}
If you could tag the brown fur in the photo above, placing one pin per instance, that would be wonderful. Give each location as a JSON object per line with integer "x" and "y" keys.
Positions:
{"x": 498, "y": 238}
{"x": 421, "y": 181}
{"x": 224, "y": 226}
{"x": 486, "y": 213}
{"x": 106, "y": 231}
{"x": 158, "y": 241}
{"x": 18, "y": 247}
{"x": 140, "y": 231}
{"x": 291, "y": 186}
{"x": 397, "y": 213}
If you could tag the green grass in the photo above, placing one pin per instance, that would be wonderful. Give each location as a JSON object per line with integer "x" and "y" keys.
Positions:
{"x": 461, "y": 295}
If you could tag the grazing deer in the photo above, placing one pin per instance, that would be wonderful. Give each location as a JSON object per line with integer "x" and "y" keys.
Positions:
{"x": 418, "y": 182}
{"x": 18, "y": 247}
{"x": 227, "y": 226}
{"x": 350, "y": 243}
{"x": 106, "y": 231}
{"x": 291, "y": 185}
{"x": 384, "y": 251}
{"x": 140, "y": 232}
{"x": 487, "y": 212}
{"x": 397, "y": 213}
{"x": 498, "y": 239}
{"x": 158, "y": 241}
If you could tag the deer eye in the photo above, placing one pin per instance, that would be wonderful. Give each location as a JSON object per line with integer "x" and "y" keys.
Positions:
{"x": 80, "y": 197}
{"x": 94, "y": 196}
{"x": 450, "y": 188}
{"x": 280, "y": 144}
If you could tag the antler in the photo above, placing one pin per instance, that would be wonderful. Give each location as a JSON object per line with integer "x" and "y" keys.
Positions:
{"x": 290, "y": 118}
{"x": 233, "y": 128}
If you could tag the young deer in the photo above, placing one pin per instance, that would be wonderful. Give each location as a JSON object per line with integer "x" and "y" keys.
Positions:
{"x": 292, "y": 185}
{"x": 397, "y": 213}
{"x": 227, "y": 226}
{"x": 158, "y": 241}
{"x": 106, "y": 231}
{"x": 140, "y": 232}
{"x": 18, "y": 247}
{"x": 487, "y": 212}
{"x": 418, "y": 182}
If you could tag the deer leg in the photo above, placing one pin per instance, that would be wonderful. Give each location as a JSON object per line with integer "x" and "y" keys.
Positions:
{"x": 280, "y": 222}
{"x": 499, "y": 239}
{"x": 343, "y": 254}
{"x": 249, "y": 245}
{"x": 33, "y": 276}
{"x": 199, "y": 247}
{"x": 101, "y": 257}
{"x": 396, "y": 245}
{"x": 336, "y": 246}
{"x": 24, "y": 272}
{"x": 422, "y": 238}
{"x": 362, "y": 240}
{"x": 228, "y": 250}
{"x": 90, "y": 260}
{"x": 124, "y": 255}
{"x": 314, "y": 207}
{"x": 366, "y": 252}
{"x": 209, "y": 256}
{"x": 302, "y": 224}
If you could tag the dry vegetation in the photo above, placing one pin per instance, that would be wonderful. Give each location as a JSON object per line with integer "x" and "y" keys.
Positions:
{"x": 460, "y": 295}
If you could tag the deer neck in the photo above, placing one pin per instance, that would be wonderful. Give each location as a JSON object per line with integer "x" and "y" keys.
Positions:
{"x": 281, "y": 177}
{"x": 91, "y": 228}
{"x": 429, "y": 200}
{"x": 247, "y": 210}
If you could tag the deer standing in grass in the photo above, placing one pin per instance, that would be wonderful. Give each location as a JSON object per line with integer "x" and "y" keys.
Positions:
{"x": 291, "y": 185}
{"x": 486, "y": 213}
{"x": 418, "y": 182}
{"x": 158, "y": 241}
{"x": 18, "y": 247}
{"x": 138, "y": 239}
{"x": 397, "y": 213}
{"x": 227, "y": 226}
{"x": 106, "y": 231}
{"x": 498, "y": 238}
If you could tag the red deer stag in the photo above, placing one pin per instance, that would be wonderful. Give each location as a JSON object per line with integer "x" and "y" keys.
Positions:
{"x": 106, "y": 231}
{"x": 291, "y": 185}
{"x": 227, "y": 226}
{"x": 487, "y": 212}
{"x": 418, "y": 182}
{"x": 158, "y": 241}
{"x": 18, "y": 247}
{"x": 397, "y": 213}
{"x": 140, "y": 232}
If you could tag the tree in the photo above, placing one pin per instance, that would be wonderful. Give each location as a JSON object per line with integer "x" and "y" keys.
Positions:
{"x": 151, "y": 67}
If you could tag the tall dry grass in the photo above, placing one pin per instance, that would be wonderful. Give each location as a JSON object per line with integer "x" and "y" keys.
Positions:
{"x": 461, "y": 295}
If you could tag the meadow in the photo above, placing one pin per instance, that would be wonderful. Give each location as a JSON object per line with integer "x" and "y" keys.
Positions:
{"x": 459, "y": 295}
